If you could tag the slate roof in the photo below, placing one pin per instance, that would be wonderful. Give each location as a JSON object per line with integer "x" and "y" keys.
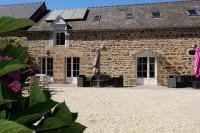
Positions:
{"x": 25, "y": 10}
{"x": 173, "y": 14}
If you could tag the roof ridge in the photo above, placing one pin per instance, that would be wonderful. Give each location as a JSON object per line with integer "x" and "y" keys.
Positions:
{"x": 68, "y": 8}
{"x": 18, "y": 4}
{"x": 150, "y": 3}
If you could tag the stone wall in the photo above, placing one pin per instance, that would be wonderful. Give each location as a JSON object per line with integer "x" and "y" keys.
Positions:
{"x": 170, "y": 47}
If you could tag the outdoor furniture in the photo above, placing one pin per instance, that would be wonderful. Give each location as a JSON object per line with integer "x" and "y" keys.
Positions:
{"x": 83, "y": 81}
{"x": 174, "y": 81}
{"x": 102, "y": 81}
{"x": 43, "y": 80}
{"x": 196, "y": 84}
{"x": 181, "y": 81}
{"x": 117, "y": 81}
{"x": 99, "y": 83}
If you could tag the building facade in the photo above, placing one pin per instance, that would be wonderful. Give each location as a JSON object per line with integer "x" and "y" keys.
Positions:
{"x": 145, "y": 43}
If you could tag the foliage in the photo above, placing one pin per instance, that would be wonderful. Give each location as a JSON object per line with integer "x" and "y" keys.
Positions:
{"x": 10, "y": 24}
{"x": 35, "y": 113}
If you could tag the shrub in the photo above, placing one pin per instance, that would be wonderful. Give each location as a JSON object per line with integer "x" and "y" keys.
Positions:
{"x": 35, "y": 113}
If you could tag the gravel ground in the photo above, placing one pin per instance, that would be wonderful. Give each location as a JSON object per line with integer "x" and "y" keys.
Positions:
{"x": 134, "y": 110}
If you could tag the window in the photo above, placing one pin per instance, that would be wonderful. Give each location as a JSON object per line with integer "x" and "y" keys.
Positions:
{"x": 47, "y": 66}
{"x": 192, "y": 12}
{"x": 60, "y": 38}
{"x": 129, "y": 16}
{"x": 97, "y": 18}
{"x": 156, "y": 15}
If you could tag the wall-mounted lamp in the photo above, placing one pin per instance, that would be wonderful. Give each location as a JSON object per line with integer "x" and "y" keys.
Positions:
{"x": 194, "y": 46}
{"x": 47, "y": 52}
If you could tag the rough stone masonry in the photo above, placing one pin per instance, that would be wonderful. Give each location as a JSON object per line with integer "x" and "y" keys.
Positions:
{"x": 169, "y": 46}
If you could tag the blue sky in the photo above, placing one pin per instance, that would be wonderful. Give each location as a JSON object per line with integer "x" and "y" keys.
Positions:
{"x": 52, "y": 4}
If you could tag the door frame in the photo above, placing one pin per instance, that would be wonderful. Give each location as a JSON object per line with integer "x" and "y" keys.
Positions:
{"x": 50, "y": 78}
{"x": 148, "y": 74}
{"x": 71, "y": 80}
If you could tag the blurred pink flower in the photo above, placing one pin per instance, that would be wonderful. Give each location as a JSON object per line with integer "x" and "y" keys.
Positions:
{"x": 4, "y": 58}
{"x": 14, "y": 86}
{"x": 15, "y": 75}
{"x": 12, "y": 80}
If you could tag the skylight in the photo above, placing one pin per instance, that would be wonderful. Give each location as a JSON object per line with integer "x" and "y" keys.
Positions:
{"x": 97, "y": 18}
{"x": 129, "y": 16}
{"x": 156, "y": 14}
{"x": 192, "y": 12}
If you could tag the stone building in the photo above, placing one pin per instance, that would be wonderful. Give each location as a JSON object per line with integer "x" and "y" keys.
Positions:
{"x": 144, "y": 42}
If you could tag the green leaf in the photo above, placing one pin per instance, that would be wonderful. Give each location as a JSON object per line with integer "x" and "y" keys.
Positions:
{"x": 20, "y": 53}
{"x": 51, "y": 123}
{"x": 3, "y": 114}
{"x": 74, "y": 128}
{"x": 35, "y": 112}
{"x": 4, "y": 101}
{"x": 36, "y": 95}
{"x": 74, "y": 116}
{"x": 13, "y": 127}
{"x": 1, "y": 92}
{"x": 10, "y": 66}
{"x": 62, "y": 112}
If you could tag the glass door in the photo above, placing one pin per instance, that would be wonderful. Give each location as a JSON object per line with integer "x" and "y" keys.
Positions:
{"x": 73, "y": 69}
{"x": 146, "y": 71}
{"x": 47, "y": 67}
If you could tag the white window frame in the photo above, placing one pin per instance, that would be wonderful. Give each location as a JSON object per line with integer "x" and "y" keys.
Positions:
{"x": 46, "y": 68}
{"x": 55, "y": 39}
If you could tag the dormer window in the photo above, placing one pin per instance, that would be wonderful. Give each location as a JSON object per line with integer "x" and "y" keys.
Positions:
{"x": 192, "y": 12}
{"x": 97, "y": 18}
{"x": 60, "y": 38}
{"x": 156, "y": 14}
{"x": 129, "y": 16}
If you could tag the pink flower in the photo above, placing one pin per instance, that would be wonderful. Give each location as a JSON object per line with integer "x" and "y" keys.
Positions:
{"x": 14, "y": 86}
{"x": 15, "y": 75}
{"x": 4, "y": 58}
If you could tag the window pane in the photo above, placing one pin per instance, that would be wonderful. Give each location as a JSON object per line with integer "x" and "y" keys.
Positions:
{"x": 62, "y": 42}
{"x": 152, "y": 60}
{"x": 74, "y": 66}
{"x": 129, "y": 16}
{"x": 97, "y": 18}
{"x": 193, "y": 12}
{"x": 152, "y": 74}
{"x": 69, "y": 67}
{"x": 144, "y": 74}
{"x": 144, "y": 67}
{"x": 68, "y": 73}
{"x": 156, "y": 14}
{"x": 77, "y": 73}
{"x": 139, "y": 74}
{"x": 144, "y": 59}
{"x": 74, "y": 74}
{"x": 77, "y": 67}
{"x": 50, "y": 73}
{"x": 78, "y": 60}
{"x": 152, "y": 67}
{"x": 74, "y": 60}
{"x": 68, "y": 60}
{"x": 60, "y": 38}
{"x": 139, "y": 60}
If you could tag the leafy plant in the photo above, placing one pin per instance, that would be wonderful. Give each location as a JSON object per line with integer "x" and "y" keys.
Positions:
{"x": 35, "y": 113}
{"x": 9, "y": 24}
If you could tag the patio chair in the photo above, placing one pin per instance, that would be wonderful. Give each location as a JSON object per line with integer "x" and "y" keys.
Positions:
{"x": 83, "y": 81}
{"x": 43, "y": 80}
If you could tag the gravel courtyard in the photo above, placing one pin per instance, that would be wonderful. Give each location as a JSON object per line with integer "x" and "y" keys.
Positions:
{"x": 134, "y": 110}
